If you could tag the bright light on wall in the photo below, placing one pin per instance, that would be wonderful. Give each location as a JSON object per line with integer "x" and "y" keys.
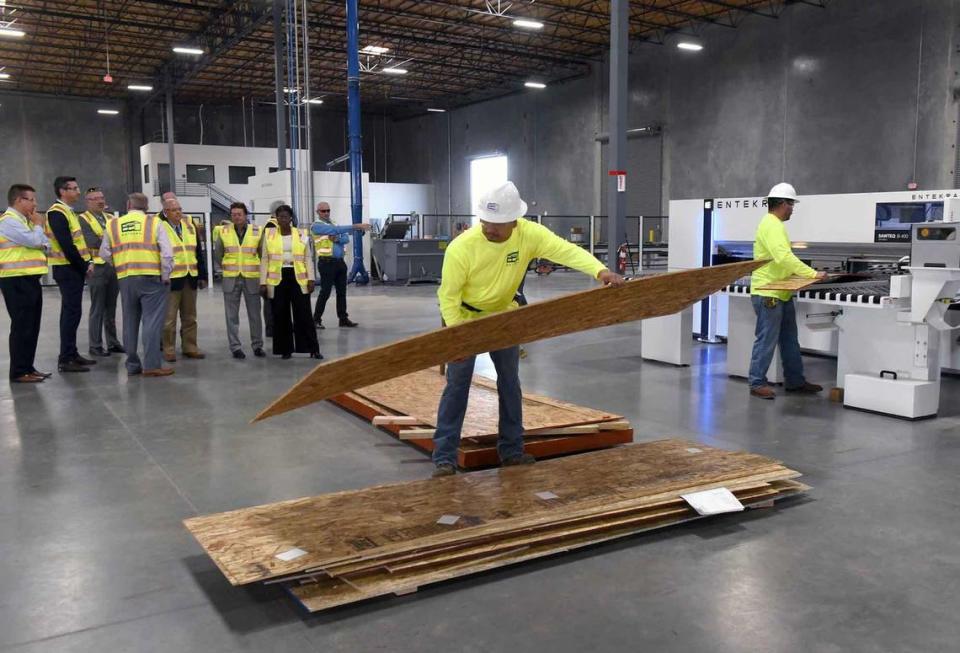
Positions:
{"x": 523, "y": 23}
{"x": 534, "y": 84}
{"x": 437, "y": 110}
{"x": 687, "y": 45}
{"x": 4, "y": 75}
{"x": 107, "y": 112}
{"x": 139, "y": 87}
{"x": 315, "y": 100}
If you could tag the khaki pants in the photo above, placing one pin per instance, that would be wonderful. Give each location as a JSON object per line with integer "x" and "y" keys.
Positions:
{"x": 184, "y": 303}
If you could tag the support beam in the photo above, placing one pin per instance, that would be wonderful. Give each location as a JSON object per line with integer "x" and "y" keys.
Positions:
{"x": 358, "y": 273}
{"x": 617, "y": 196}
{"x": 171, "y": 155}
{"x": 278, "y": 85}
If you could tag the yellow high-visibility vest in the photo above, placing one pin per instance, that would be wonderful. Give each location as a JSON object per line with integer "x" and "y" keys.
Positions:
{"x": 184, "y": 248}
{"x": 97, "y": 230}
{"x": 322, "y": 245}
{"x": 240, "y": 259}
{"x": 17, "y": 260}
{"x": 274, "y": 251}
{"x": 134, "y": 244}
{"x": 56, "y": 256}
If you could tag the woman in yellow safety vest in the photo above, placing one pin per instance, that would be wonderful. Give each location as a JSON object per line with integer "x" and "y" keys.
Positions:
{"x": 286, "y": 278}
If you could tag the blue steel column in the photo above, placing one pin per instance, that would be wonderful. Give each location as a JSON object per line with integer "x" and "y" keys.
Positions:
{"x": 358, "y": 274}
{"x": 619, "y": 52}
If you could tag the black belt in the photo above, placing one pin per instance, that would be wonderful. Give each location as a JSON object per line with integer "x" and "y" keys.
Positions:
{"x": 470, "y": 308}
{"x": 329, "y": 258}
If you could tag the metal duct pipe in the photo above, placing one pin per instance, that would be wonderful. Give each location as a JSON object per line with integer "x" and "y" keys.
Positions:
{"x": 358, "y": 274}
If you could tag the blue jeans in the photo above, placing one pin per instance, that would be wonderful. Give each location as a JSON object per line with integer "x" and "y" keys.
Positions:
{"x": 776, "y": 325}
{"x": 453, "y": 407}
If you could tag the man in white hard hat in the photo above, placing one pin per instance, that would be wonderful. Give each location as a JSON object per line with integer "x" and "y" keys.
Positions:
{"x": 482, "y": 269}
{"x": 776, "y": 315}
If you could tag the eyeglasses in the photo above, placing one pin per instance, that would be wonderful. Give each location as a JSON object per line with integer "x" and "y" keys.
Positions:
{"x": 323, "y": 210}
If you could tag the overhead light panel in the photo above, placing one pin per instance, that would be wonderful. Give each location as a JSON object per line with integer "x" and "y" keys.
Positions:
{"x": 437, "y": 110}
{"x": 534, "y": 84}
{"x": 12, "y": 33}
{"x": 524, "y": 23}
{"x": 689, "y": 45}
{"x": 139, "y": 87}
{"x": 315, "y": 100}
{"x": 395, "y": 71}
{"x": 186, "y": 50}
{"x": 375, "y": 49}
{"x": 4, "y": 75}
{"x": 107, "y": 112}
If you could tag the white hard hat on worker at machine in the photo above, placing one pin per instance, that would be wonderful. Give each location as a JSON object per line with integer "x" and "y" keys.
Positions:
{"x": 783, "y": 191}
{"x": 501, "y": 204}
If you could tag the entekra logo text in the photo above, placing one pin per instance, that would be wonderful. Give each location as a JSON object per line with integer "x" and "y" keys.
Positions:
{"x": 513, "y": 257}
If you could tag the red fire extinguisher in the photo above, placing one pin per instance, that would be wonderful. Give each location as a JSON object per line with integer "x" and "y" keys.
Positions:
{"x": 623, "y": 255}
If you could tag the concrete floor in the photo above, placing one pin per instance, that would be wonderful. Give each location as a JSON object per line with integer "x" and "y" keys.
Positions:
{"x": 98, "y": 470}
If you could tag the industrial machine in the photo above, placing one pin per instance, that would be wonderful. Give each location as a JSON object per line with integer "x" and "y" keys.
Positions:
{"x": 886, "y": 312}
{"x": 401, "y": 259}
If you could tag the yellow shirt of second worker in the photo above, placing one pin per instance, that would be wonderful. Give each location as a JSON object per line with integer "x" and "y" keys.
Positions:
{"x": 487, "y": 275}
{"x": 772, "y": 242}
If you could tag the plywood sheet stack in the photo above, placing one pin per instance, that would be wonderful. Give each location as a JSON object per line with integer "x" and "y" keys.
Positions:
{"x": 407, "y": 407}
{"x": 345, "y": 547}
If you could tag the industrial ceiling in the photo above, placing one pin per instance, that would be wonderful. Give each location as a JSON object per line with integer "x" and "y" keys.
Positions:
{"x": 453, "y": 52}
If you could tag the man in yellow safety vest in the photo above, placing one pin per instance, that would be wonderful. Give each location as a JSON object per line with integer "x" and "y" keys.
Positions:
{"x": 139, "y": 248}
{"x": 23, "y": 261}
{"x": 237, "y": 247}
{"x": 188, "y": 276}
{"x": 103, "y": 286}
{"x": 71, "y": 264}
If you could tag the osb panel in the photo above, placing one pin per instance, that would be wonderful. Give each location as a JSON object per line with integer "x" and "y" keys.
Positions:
{"x": 638, "y": 299}
{"x": 793, "y": 283}
{"x": 418, "y": 394}
{"x": 335, "y": 528}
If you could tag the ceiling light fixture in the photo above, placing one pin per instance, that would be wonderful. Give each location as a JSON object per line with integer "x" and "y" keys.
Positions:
{"x": 395, "y": 71}
{"x": 139, "y": 87}
{"x": 375, "y": 49}
{"x": 437, "y": 110}
{"x": 315, "y": 100}
{"x": 534, "y": 84}
{"x": 186, "y": 50}
{"x": 107, "y": 112}
{"x": 4, "y": 75}
{"x": 287, "y": 89}
{"x": 687, "y": 45}
{"x": 13, "y": 33}
{"x": 523, "y": 23}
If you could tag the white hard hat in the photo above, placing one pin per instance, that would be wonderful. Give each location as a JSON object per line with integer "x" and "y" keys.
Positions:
{"x": 501, "y": 204}
{"x": 783, "y": 191}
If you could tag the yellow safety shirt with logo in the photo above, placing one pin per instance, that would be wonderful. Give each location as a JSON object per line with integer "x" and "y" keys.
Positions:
{"x": 134, "y": 245}
{"x": 274, "y": 247}
{"x": 184, "y": 248}
{"x": 240, "y": 259}
{"x": 97, "y": 230}
{"x": 772, "y": 242}
{"x": 480, "y": 277}
{"x": 56, "y": 256}
{"x": 17, "y": 260}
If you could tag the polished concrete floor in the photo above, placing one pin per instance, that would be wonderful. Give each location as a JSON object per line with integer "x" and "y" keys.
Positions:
{"x": 98, "y": 470}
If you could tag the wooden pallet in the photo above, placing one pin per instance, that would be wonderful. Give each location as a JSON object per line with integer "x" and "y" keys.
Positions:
{"x": 394, "y": 538}
{"x": 407, "y": 407}
{"x": 641, "y": 298}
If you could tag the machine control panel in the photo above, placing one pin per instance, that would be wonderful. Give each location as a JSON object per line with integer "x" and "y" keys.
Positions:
{"x": 936, "y": 245}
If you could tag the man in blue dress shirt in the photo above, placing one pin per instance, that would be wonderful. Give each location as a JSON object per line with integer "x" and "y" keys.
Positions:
{"x": 328, "y": 243}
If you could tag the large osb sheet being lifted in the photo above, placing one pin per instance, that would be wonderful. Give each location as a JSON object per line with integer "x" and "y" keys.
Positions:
{"x": 418, "y": 395}
{"x": 642, "y": 298}
{"x": 352, "y": 532}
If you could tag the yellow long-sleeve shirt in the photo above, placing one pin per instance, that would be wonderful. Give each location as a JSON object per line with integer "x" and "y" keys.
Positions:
{"x": 773, "y": 243}
{"x": 486, "y": 275}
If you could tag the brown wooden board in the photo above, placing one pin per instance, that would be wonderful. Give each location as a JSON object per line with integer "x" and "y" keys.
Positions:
{"x": 382, "y": 520}
{"x": 321, "y": 592}
{"x": 642, "y": 298}
{"x": 418, "y": 395}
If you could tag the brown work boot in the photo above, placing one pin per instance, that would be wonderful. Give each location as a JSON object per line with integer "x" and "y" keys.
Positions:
{"x": 195, "y": 354}
{"x": 763, "y": 391}
{"x": 444, "y": 469}
{"x": 806, "y": 389}
{"x": 160, "y": 371}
